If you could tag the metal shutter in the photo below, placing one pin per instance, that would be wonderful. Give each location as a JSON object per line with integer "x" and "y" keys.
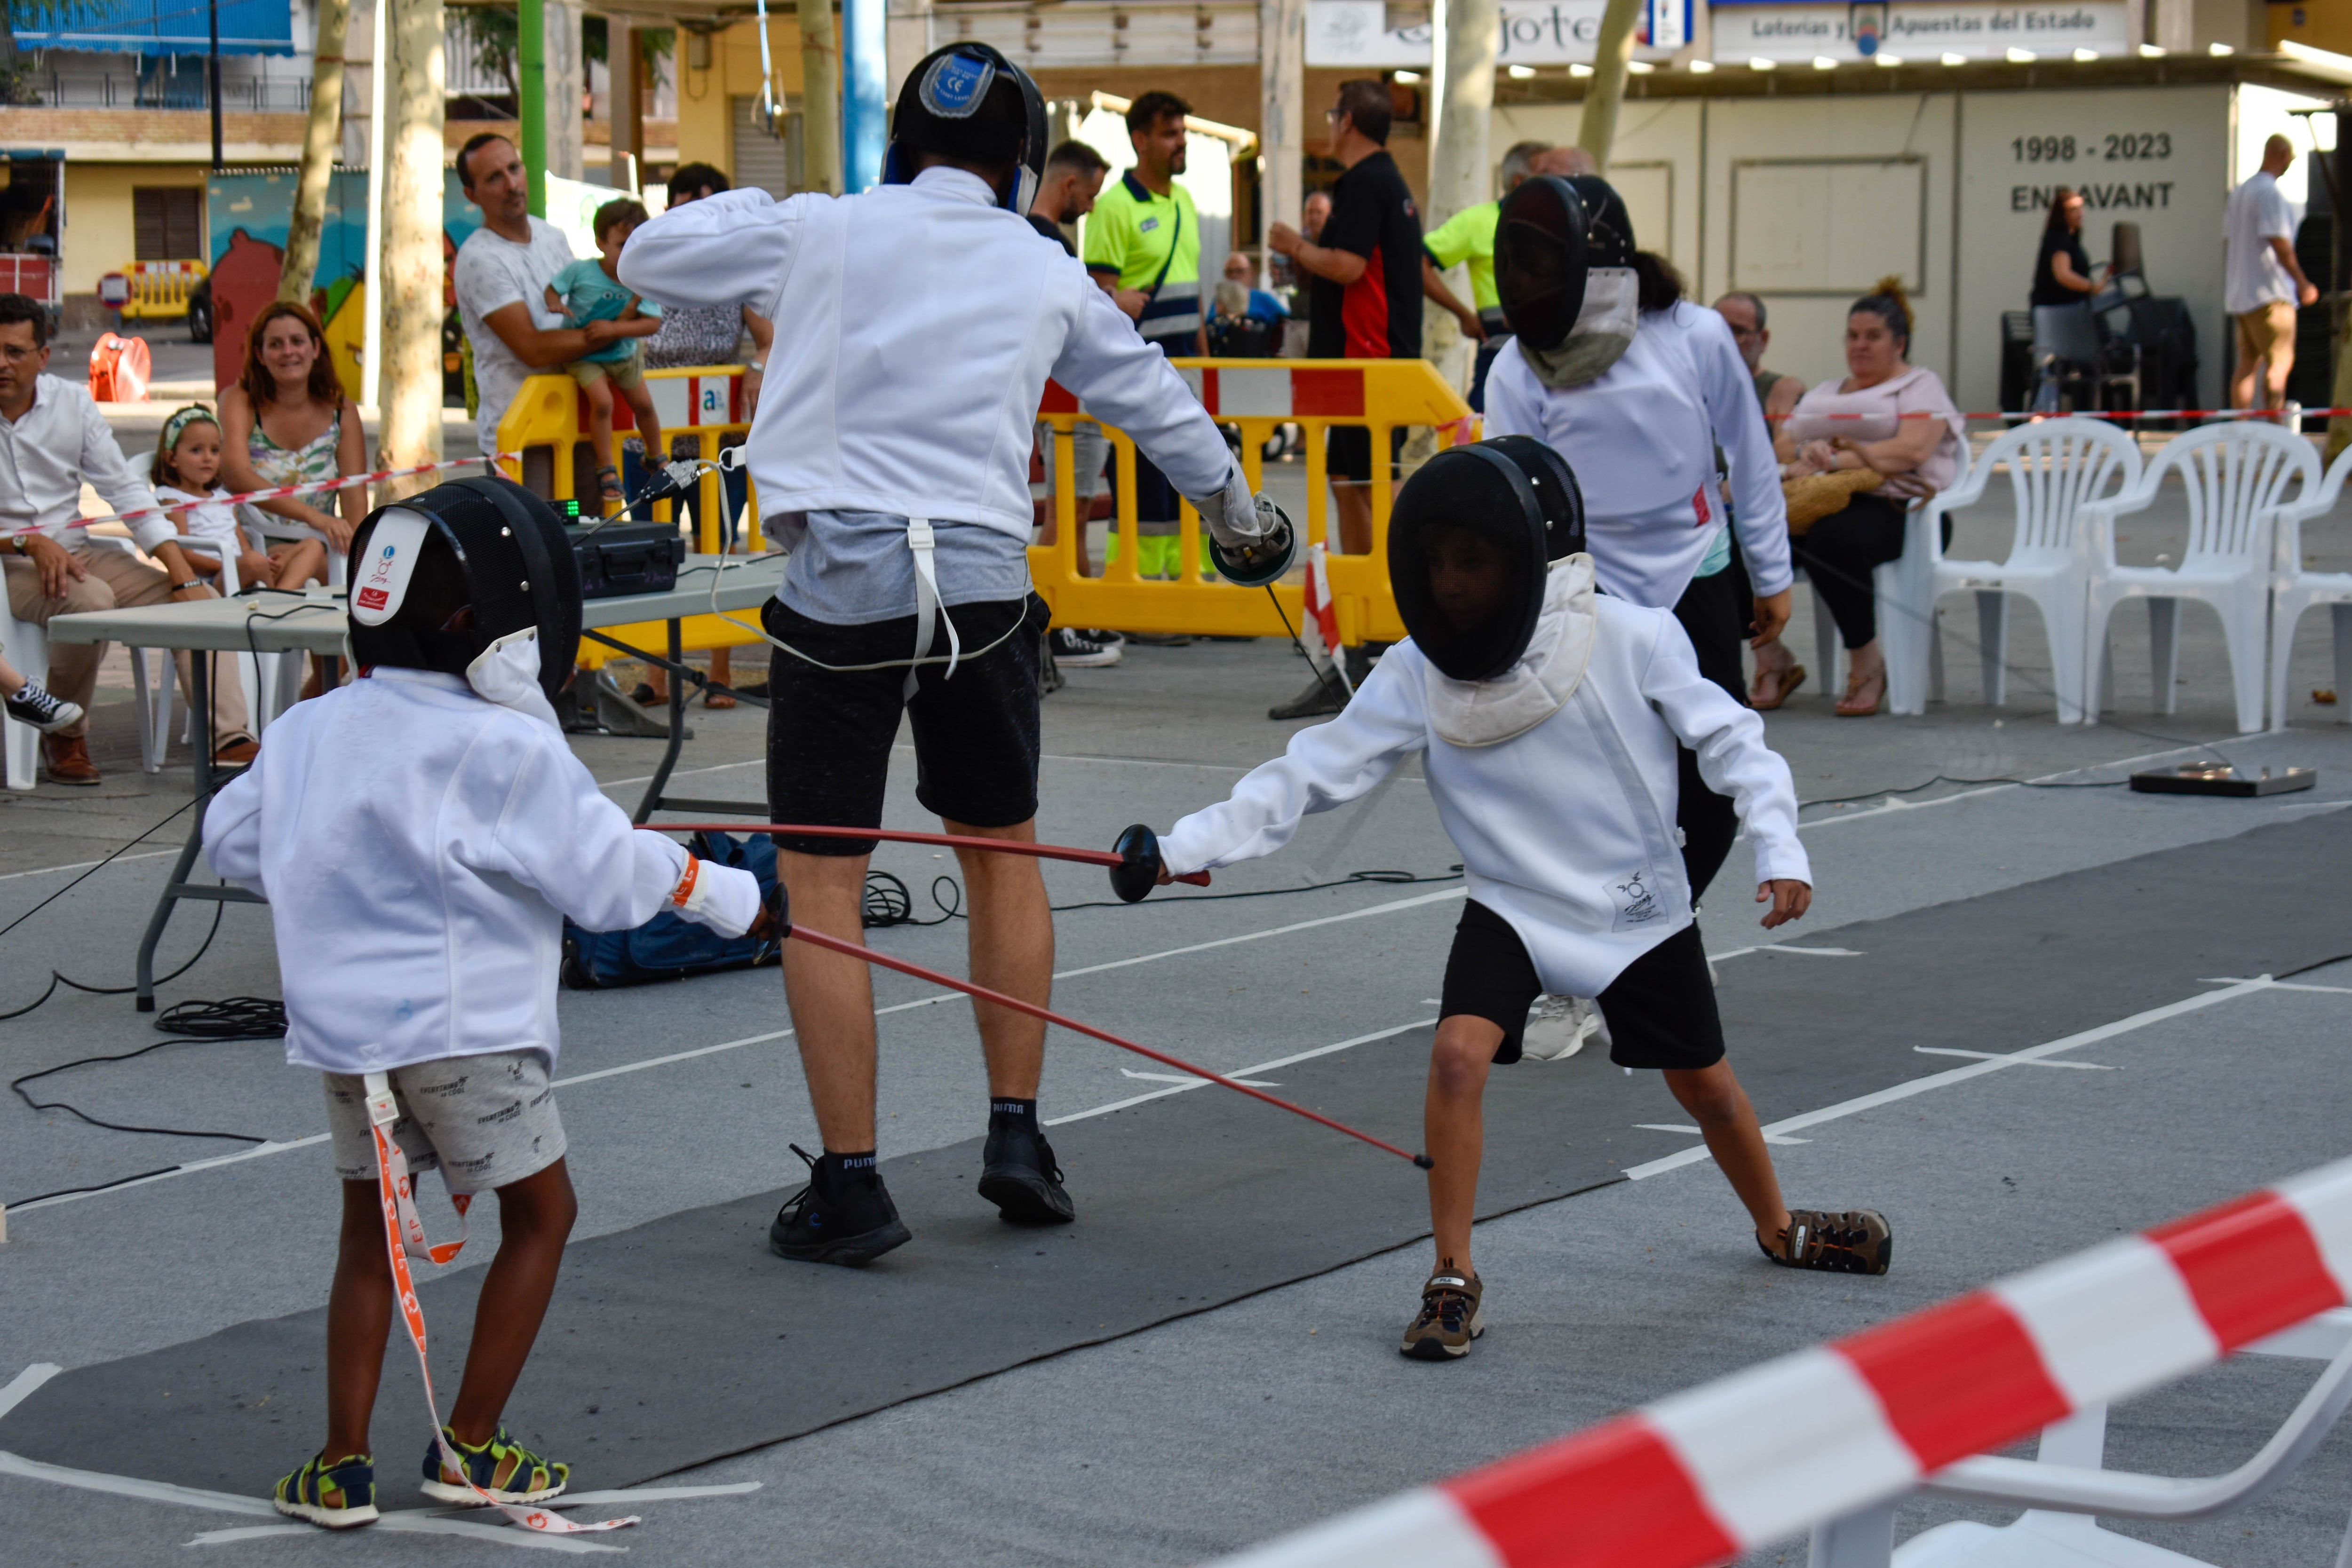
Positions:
{"x": 771, "y": 163}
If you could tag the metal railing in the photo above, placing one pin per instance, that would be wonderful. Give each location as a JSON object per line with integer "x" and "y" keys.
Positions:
{"x": 184, "y": 90}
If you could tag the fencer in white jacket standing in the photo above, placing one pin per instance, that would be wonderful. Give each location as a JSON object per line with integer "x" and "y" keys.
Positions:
{"x": 1547, "y": 716}
{"x": 916, "y": 326}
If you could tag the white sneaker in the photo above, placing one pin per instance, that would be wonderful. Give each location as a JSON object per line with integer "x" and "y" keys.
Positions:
{"x": 1558, "y": 1028}
{"x": 1080, "y": 651}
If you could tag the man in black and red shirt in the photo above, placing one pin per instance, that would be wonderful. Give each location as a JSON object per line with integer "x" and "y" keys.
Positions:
{"x": 1363, "y": 283}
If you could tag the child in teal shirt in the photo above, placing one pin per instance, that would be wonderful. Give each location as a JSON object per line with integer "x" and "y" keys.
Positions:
{"x": 589, "y": 291}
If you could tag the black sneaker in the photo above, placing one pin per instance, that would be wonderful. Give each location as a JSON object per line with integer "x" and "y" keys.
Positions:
{"x": 1018, "y": 1175}
{"x": 841, "y": 1216}
{"x": 1839, "y": 1241}
{"x": 1080, "y": 651}
{"x": 35, "y": 705}
{"x": 1323, "y": 695}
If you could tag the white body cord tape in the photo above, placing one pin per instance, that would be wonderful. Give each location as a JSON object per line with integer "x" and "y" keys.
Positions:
{"x": 403, "y": 1237}
{"x": 925, "y": 576}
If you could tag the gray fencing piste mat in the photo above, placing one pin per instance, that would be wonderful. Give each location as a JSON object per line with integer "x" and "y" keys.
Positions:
{"x": 685, "y": 1339}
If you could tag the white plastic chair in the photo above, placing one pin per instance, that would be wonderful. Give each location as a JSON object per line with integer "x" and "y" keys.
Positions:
{"x": 2295, "y": 591}
{"x": 1904, "y": 662}
{"x": 2055, "y": 467}
{"x": 2237, "y": 476}
{"x": 27, "y": 647}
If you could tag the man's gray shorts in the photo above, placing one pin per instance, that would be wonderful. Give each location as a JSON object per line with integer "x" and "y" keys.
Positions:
{"x": 481, "y": 1120}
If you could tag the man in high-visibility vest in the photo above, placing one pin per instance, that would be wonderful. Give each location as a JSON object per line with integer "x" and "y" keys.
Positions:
{"x": 1469, "y": 236}
{"x": 1143, "y": 247}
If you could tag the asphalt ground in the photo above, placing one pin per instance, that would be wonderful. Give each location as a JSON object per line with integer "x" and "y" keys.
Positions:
{"x": 1196, "y": 1436}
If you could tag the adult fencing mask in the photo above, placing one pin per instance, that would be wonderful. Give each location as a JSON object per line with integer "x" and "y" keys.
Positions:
{"x": 969, "y": 102}
{"x": 1470, "y": 543}
{"x": 1581, "y": 329}
{"x": 487, "y": 545}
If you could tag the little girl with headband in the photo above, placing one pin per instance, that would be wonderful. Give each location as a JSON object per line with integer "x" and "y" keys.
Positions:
{"x": 187, "y": 464}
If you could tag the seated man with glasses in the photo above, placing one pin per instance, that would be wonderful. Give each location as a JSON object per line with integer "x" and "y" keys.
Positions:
{"x": 52, "y": 441}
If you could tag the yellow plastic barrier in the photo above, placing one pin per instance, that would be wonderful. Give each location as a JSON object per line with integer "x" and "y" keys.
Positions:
{"x": 1257, "y": 395}
{"x": 159, "y": 289}
{"x": 548, "y": 422}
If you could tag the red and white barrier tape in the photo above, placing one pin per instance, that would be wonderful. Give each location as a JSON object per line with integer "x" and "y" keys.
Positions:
{"x": 404, "y": 1236}
{"x": 1768, "y": 1453}
{"x": 280, "y": 492}
{"x": 2124, "y": 414}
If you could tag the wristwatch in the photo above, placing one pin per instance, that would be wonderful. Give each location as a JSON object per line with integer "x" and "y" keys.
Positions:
{"x": 183, "y": 587}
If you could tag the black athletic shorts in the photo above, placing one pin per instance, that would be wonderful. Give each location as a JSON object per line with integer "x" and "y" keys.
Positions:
{"x": 1348, "y": 453}
{"x": 1660, "y": 1011}
{"x": 830, "y": 732}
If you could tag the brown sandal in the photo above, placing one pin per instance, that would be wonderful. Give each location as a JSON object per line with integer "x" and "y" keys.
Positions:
{"x": 1789, "y": 681}
{"x": 1854, "y": 685}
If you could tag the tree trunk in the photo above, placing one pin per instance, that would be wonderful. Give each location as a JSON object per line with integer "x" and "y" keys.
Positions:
{"x": 819, "y": 98}
{"x": 326, "y": 133}
{"x": 411, "y": 276}
{"x": 1469, "y": 35}
{"x": 1606, "y": 91}
{"x": 560, "y": 43}
{"x": 1282, "y": 93}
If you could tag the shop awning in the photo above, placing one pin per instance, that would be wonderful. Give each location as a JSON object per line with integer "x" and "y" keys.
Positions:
{"x": 163, "y": 27}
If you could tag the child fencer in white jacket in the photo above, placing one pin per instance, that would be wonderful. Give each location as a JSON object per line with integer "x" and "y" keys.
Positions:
{"x": 420, "y": 835}
{"x": 1548, "y": 714}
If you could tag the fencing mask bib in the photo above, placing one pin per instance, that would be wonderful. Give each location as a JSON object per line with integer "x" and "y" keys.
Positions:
{"x": 969, "y": 102}
{"x": 1564, "y": 261}
{"x": 1470, "y": 543}
{"x": 487, "y": 545}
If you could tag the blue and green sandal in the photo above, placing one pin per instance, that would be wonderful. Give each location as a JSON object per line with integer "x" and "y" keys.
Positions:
{"x": 337, "y": 1496}
{"x": 495, "y": 1467}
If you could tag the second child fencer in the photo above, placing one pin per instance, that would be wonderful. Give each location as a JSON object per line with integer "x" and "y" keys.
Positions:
{"x": 421, "y": 834}
{"x": 1548, "y": 714}
{"x": 1639, "y": 389}
{"x": 892, "y": 452}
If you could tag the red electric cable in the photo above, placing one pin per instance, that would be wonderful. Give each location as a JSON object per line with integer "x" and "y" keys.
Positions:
{"x": 946, "y": 840}
{"x": 835, "y": 945}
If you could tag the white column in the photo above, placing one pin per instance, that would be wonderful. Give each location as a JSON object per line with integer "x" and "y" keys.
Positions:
{"x": 567, "y": 152}
{"x": 1466, "y": 36}
{"x": 411, "y": 270}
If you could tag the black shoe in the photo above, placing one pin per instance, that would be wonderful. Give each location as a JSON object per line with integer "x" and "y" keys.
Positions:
{"x": 1323, "y": 695}
{"x": 1018, "y": 1175}
{"x": 841, "y": 1216}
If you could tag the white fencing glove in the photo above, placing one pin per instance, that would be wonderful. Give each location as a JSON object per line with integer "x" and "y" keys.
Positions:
{"x": 1235, "y": 518}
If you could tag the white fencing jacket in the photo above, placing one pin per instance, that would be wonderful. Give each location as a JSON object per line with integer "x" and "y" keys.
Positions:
{"x": 1642, "y": 438}
{"x": 420, "y": 847}
{"x": 915, "y": 326}
{"x": 1567, "y": 828}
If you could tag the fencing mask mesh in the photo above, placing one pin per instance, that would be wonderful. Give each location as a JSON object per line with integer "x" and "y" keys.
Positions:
{"x": 1471, "y": 542}
{"x": 1540, "y": 259}
{"x": 487, "y": 545}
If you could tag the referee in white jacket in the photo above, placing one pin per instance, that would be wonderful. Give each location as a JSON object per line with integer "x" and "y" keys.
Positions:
{"x": 915, "y": 326}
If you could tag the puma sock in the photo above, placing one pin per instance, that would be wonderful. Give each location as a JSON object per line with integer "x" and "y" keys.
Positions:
{"x": 837, "y": 1171}
{"x": 1022, "y": 1113}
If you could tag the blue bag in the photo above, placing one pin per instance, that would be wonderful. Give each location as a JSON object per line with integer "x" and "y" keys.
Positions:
{"x": 670, "y": 947}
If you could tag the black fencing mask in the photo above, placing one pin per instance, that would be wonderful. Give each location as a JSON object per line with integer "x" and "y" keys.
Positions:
{"x": 484, "y": 544}
{"x": 969, "y": 102}
{"x": 1470, "y": 543}
{"x": 1540, "y": 259}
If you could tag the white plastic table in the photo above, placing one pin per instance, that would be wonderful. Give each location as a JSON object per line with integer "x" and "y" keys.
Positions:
{"x": 316, "y": 622}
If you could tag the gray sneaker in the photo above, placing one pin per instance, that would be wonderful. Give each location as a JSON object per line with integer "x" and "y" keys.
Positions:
{"x": 35, "y": 705}
{"x": 1081, "y": 650}
{"x": 1558, "y": 1028}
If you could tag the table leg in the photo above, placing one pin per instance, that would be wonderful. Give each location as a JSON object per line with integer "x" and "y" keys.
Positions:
{"x": 156, "y": 922}
{"x": 651, "y": 801}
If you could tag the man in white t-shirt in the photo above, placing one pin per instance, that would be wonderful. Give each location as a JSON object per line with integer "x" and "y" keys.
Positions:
{"x": 501, "y": 279}
{"x": 2264, "y": 283}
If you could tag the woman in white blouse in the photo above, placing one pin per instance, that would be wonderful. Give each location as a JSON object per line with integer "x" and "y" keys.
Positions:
{"x": 1895, "y": 419}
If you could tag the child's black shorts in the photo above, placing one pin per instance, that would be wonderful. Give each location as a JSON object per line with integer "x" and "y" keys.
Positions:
{"x": 1660, "y": 1011}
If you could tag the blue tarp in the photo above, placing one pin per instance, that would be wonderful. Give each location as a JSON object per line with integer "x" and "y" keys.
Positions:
{"x": 163, "y": 27}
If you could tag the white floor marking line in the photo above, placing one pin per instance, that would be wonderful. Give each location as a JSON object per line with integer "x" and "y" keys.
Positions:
{"x": 1694, "y": 1132}
{"x": 1190, "y": 1078}
{"x": 258, "y": 1151}
{"x": 1388, "y": 908}
{"x": 85, "y": 866}
{"x": 22, "y": 1385}
{"x": 438, "y": 1521}
{"x": 2031, "y": 1054}
{"x": 1244, "y": 1072}
{"x": 1785, "y": 948}
{"x": 2279, "y": 985}
{"x": 1046, "y": 756}
{"x": 130, "y": 1486}
{"x": 1996, "y": 1056}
